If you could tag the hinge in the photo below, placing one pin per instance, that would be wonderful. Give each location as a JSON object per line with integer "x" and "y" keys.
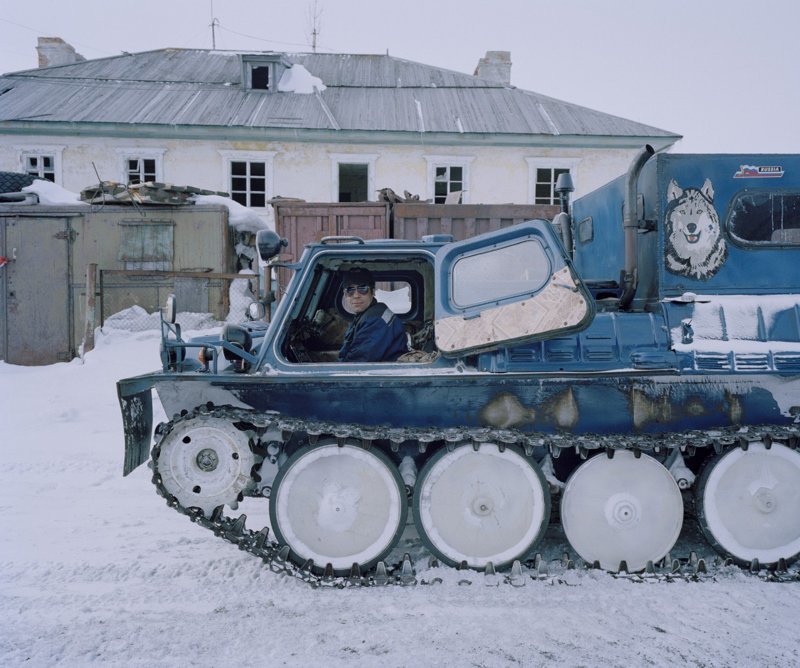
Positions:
{"x": 67, "y": 235}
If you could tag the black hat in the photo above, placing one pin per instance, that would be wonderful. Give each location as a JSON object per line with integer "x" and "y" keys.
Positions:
{"x": 358, "y": 276}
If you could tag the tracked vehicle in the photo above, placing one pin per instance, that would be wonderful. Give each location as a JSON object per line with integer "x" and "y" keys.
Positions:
{"x": 615, "y": 361}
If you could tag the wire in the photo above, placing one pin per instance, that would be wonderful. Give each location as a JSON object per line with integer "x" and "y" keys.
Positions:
{"x": 261, "y": 39}
{"x": 40, "y": 31}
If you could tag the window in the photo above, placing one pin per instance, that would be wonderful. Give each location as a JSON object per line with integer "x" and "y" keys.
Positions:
{"x": 500, "y": 273}
{"x": 352, "y": 176}
{"x": 42, "y": 162}
{"x": 448, "y": 179}
{"x": 545, "y": 187}
{"x": 542, "y": 176}
{"x": 353, "y": 181}
{"x": 248, "y": 176}
{"x": 140, "y": 165}
{"x": 259, "y": 77}
{"x": 148, "y": 246}
{"x": 771, "y": 218}
{"x": 41, "y": 166}
{"x": 262, "y": 71}
{"x": 141, "y": 170}
{"x": 249, "y": 182}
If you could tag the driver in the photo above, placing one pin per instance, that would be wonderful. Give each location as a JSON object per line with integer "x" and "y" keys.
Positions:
{"x": 376, "y": 334}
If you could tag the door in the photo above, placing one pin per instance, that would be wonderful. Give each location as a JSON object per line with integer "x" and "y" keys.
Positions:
{"x": 507, "y": 287}
{"x": 36, "y": 295}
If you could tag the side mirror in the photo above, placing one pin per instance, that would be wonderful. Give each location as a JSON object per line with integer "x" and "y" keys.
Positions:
{"x": 269, "y": 244}
{"x": 170, "y": 310}
{"x": 256, "y": 311}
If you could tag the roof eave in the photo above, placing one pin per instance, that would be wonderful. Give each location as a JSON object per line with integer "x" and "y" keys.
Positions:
{"x": 308, "y": 135}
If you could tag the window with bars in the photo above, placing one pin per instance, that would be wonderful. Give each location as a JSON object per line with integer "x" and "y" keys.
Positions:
{"x": 447, "y": 179}
{"x": 141, "y": 170}
{"x": 545, "y": 186}
{"x": 41, "y": 166}
{"x": 248, "y": 184}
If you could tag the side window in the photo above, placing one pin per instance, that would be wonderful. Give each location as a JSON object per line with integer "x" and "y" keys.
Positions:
{"x": 41, "y": 166}
{"x": 765, "y": 218}
{"x": 498, "y": 274}
{"x": 147, "y": 246}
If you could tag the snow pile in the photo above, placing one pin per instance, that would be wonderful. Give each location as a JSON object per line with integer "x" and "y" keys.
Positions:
{"x": 51, "y": 193}
{"x": 297, "y": 79}
{"x": 136, "y": 319}
{"x": 240, "y": 217}
{"x": 739, "y": 323}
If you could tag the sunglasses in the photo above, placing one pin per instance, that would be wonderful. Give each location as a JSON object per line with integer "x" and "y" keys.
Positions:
{"x": 350, "y": 290}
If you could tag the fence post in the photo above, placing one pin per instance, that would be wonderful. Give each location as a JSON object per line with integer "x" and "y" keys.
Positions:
{"x": 91, "y": 289}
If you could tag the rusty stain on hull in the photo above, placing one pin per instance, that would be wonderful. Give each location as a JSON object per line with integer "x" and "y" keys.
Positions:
{"x": 646, "y": 410}
{"x": 505, "y": 410}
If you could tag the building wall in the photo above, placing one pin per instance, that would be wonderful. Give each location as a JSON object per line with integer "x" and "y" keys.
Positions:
{"x": 308, "y": 170}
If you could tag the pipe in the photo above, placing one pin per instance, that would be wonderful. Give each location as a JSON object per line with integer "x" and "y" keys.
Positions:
{"x": 629, "y": 276}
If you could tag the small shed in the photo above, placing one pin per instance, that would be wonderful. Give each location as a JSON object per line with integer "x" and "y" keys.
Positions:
{"x": 46, "y": 251}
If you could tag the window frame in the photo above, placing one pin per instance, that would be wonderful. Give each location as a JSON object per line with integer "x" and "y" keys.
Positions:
{"x": 368, "y": 159}
{"x": 754, "y": 243}
{"x": 537, "y": 163}
{"x": 267, "y": 157}
{"x": 448, "y": 161}
{"x": 54, "y": 152}
{"x": 133, "y": 153}
{"x": 149, "y": 231}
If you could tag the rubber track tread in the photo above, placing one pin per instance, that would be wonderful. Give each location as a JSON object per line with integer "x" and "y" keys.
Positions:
{"x": 275, "y": 556}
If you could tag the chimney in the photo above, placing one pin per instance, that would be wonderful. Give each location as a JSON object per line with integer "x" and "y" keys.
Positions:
{"x": 55, "y": 51}
{"x": 495, "y": 66}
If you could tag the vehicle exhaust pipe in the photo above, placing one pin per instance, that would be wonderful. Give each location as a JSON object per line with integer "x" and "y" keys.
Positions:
{"x": 629, "y": 276}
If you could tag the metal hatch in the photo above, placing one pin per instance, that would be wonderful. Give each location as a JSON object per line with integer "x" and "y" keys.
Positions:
{"x": 507, "y": 287}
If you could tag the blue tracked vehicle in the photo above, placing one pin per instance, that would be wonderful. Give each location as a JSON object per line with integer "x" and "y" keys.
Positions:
{"x": 642, "y": 349}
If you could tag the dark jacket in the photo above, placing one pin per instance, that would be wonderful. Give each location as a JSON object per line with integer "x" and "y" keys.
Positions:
{"x": 375, "y": 335}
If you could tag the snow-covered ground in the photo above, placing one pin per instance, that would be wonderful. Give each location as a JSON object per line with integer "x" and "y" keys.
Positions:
{"x": 95, "y": 569}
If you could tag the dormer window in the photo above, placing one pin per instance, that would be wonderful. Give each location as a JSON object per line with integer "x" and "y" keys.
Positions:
{"x": 263, "y": 71}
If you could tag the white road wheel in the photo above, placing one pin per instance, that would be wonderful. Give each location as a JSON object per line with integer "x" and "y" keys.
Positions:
{"x": 749, "y": 503}
{"x": 625, "y": 508}
{"x": 205, "y": 462}
{"x": 481, "y": 506}
{"x": 338, "y": 505}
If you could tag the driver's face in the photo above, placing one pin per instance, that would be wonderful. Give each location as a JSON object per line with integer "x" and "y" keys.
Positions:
{"x": 357, "y": 298}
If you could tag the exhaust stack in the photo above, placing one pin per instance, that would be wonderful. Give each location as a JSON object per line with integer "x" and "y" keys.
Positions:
{"x": 629, "y": 276}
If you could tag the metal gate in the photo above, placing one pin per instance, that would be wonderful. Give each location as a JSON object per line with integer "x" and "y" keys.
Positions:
{"x": 35, "y": 301}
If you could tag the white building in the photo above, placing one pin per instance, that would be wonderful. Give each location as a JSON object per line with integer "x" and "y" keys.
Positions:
{"x": 321, "y": 127}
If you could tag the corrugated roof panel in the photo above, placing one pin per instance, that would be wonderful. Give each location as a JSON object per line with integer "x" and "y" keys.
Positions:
{"x": 364, "y": 92}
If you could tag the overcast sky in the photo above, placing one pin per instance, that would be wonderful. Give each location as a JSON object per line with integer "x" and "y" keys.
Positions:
{"x": 723, "y": 73}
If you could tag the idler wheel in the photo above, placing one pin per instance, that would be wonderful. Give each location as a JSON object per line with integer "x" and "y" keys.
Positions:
{"x": 481, "y": 506}
{"x": 338, "y": 505}
{"x": 621, "y": 509}
{"x": 749, "y": 504}
{"x": 205, "y": 462}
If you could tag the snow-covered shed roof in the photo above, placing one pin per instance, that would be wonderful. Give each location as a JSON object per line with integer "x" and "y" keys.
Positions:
{"x": 194, "y": 89}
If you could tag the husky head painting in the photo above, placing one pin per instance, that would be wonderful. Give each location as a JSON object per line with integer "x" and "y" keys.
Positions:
{"x": 693, "y": 240}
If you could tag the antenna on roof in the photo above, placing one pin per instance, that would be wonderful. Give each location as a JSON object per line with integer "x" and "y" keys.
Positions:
{"x": 214, "y": 24}
{"x": 314, "y": 18}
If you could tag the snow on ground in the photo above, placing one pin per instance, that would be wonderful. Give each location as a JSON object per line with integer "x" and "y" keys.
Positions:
{"x": 95, "y": 569}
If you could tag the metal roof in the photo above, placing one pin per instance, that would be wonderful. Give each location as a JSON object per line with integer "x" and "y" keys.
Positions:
{"x": 187, "y": 87}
